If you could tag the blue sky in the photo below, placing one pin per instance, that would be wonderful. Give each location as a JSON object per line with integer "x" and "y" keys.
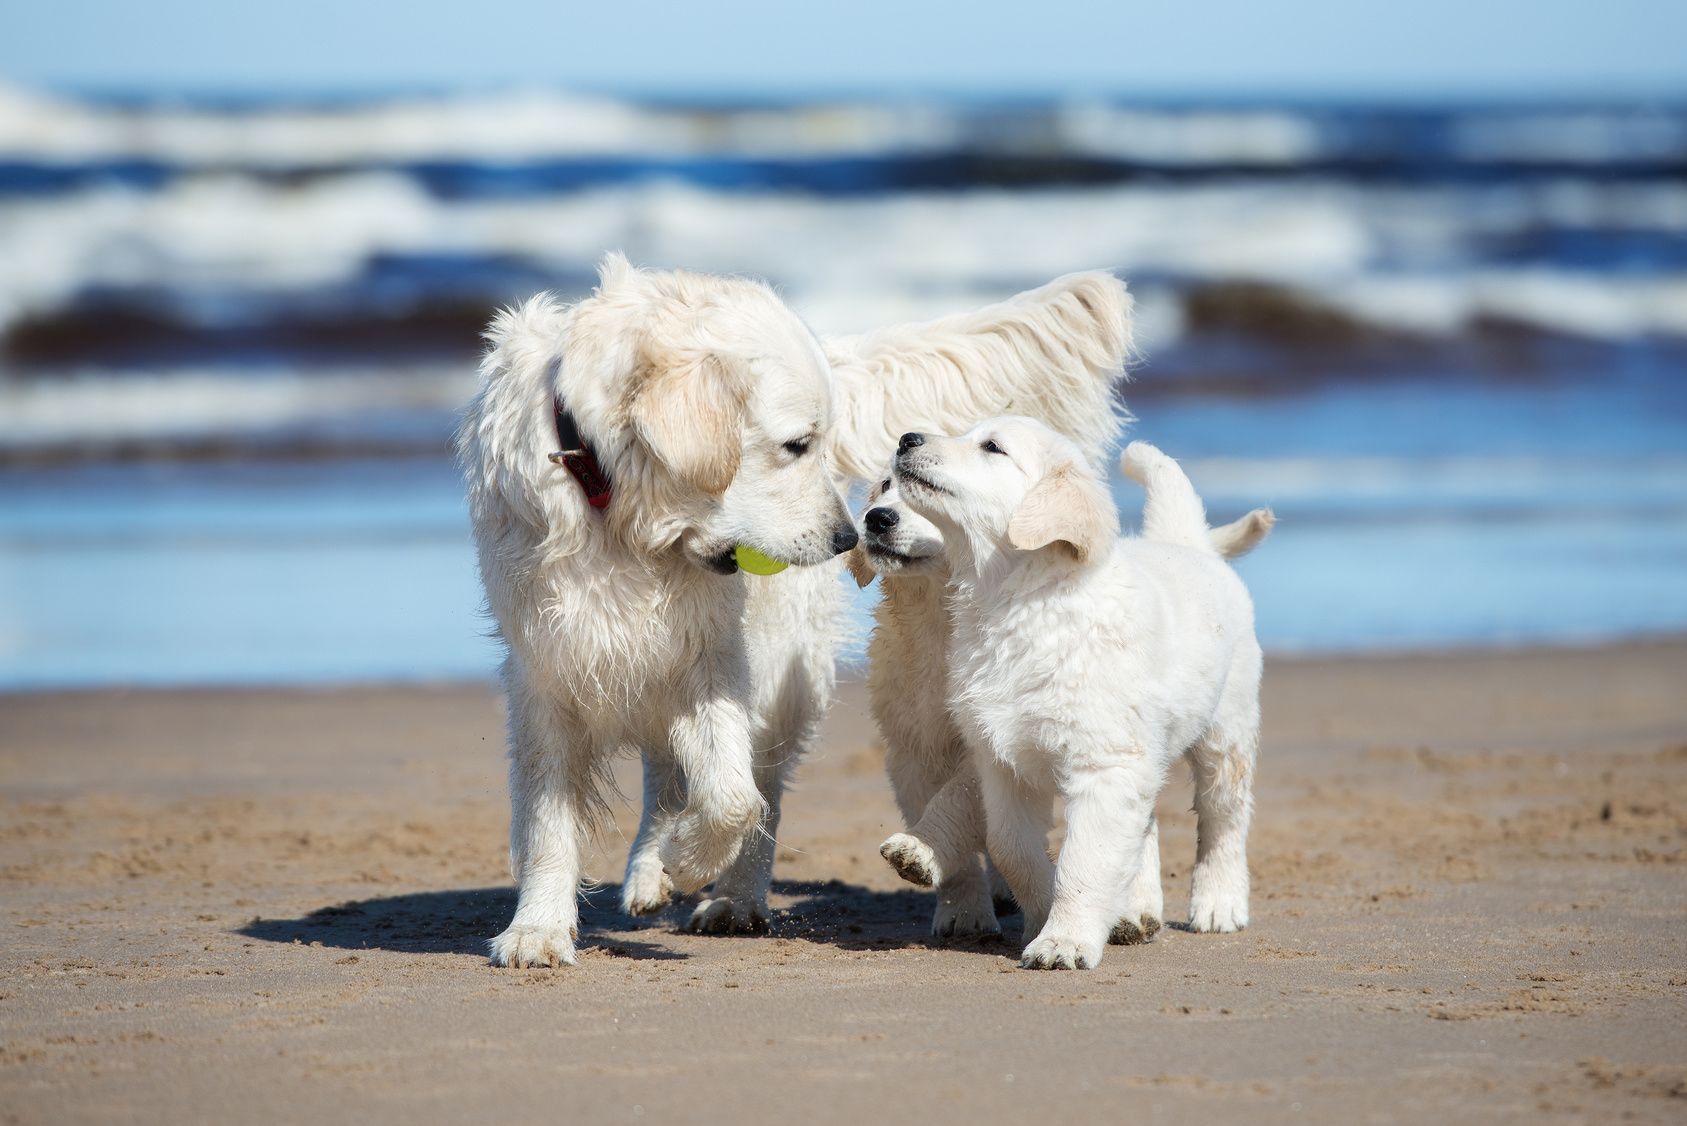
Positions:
{"x": 1397, "y": 48}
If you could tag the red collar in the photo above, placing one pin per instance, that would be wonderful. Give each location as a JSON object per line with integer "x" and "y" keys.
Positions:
{"x": 579, "y": 459}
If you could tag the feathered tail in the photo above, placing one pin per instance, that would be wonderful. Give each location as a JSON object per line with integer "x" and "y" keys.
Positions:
{"x": 1056, "y": 353}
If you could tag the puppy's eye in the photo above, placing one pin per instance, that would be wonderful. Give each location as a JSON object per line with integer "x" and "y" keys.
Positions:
{"x": 989, "y": 446}
{"x": 799, "y": 446}
{"x": 885, "y": 487}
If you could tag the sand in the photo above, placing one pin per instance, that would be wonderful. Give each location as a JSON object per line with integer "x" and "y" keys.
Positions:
{"x": 1470, "y": 891}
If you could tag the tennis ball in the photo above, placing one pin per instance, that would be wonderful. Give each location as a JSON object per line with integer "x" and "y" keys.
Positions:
{"x": 755, "y": 562}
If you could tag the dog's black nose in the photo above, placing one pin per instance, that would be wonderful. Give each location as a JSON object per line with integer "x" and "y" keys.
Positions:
{"x": 843, "y": 539}
{"x": 881, "y": 520}
{"x": 909, "y": 441}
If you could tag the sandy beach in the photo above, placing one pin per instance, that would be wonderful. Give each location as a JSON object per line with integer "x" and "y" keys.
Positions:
{"x": 272, "y": 905}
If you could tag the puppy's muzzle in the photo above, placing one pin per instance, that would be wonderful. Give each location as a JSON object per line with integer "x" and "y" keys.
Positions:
{"x": 881, "y": 520}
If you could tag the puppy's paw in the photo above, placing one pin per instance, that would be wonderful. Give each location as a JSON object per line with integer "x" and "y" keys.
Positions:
{"x": 1060, "y": 952}
{"x": 523, "y": 947}
{"x": 726, "y": 914}
{"x": 969, "y": 916}
{"x": 1134, "y": 932}
{"x": 647, "y": 890}
{"x": 1213, "y": 914}
{"x": 912, "y": 858}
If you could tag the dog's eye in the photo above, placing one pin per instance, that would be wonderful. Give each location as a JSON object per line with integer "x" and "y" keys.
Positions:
{"x": 989, "y": 446}
{"x": 885, "y": 487}
{"x": 799, "y": 446}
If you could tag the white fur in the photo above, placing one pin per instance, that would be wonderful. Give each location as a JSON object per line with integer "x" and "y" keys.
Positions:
{"x": 1083, "y": 665}
{"x": 930, "y": 772}
{"x": 622, "y": 631}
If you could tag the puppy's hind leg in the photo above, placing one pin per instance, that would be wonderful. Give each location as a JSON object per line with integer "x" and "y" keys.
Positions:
{"x": 1224, "y": 802}
{"x": 646, "y": 888}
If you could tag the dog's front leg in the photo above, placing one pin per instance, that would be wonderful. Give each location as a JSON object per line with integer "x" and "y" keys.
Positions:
{"x": 710, "y": 740}
{"x": 549, "y": 781}
{"x": 738, "y": 901}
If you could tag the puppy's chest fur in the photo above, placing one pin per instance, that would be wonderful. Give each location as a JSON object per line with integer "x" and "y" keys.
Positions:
{"x": 908, "y": 667}
{"x": 1132, "y": 654}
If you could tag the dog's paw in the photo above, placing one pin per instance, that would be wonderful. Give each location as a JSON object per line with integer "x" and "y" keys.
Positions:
{"x": 1060, "y": 952}
{"x": 1213, "y": 914}
{"x": 1134, "y": 932}
{"x": 912, "y": 858}
{"x": 971, "y": 916}
{"x": 522, "y": 947}
{"x": 646, "y": 891}
{"x": 704, "y": 841}
{"x": 725, "y": 914}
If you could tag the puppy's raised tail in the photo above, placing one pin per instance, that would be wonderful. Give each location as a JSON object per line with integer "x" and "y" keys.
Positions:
{"x": 1173, "y": 512}
{"x": 1237, "y": 538}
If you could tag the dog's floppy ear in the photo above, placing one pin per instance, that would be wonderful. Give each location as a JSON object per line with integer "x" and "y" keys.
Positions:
{"x": 689, "y": 415}
{"x": 1068, "y": 507}
{"x": 858, "y": 566}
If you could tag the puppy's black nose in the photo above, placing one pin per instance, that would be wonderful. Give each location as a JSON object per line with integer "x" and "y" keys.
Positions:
{"x": 843, "y": 539}
{"x": 881, "y": 520}
{"x": 909, "y": 441}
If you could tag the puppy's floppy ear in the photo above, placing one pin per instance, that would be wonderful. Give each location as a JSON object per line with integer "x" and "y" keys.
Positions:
{"x": 858, "y": 566}
{"x": 1069, "y": 507}
{"x": 689, "y": 414}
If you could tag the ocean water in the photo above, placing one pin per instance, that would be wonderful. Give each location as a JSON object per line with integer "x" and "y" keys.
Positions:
{"x": 1447, "y": 344}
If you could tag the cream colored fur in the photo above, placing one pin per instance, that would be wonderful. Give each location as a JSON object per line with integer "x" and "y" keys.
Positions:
{"x": 629, "y": 629}
{"x": 1084, "y": 673}
{"x": 931, "y": 775}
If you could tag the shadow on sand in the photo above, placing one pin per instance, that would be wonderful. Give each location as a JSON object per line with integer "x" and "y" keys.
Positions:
{"x": 844, "y": 915}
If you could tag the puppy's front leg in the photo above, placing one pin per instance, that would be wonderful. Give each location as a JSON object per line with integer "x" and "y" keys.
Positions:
{"x": 1107, "y": 815}
{"x": 710, "y": 741}
{"x": 942, "y": 849}
{"x": 548, "y": 786}
{"x": 1017, "y": 823}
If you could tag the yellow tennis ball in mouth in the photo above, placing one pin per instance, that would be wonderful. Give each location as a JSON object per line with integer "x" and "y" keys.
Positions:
{"x": 755, "y": 562}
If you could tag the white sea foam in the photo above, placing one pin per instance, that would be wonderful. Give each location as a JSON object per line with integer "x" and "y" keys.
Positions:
{"x": 1398, "y": 258}
{"x": 101, "y": 408}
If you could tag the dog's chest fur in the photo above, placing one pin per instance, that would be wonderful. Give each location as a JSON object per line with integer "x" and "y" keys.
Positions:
{"x": 619, "y": 642}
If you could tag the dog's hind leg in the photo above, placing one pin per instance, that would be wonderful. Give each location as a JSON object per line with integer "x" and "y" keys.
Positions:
{"x": 549, "y": 783}
{"x": 1224, "y": 802}
{"x": 646, "y": 888}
